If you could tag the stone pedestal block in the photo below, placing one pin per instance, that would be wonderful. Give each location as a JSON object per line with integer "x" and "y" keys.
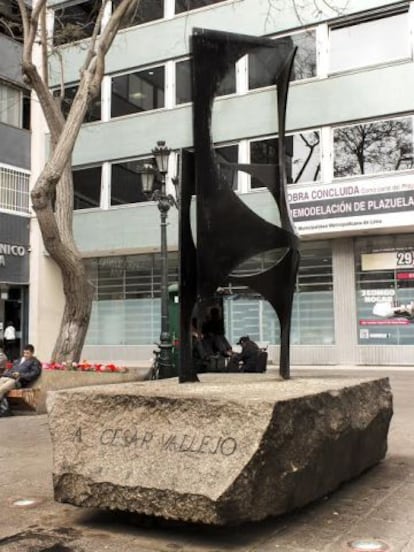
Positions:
{"x": 230, "y": 449}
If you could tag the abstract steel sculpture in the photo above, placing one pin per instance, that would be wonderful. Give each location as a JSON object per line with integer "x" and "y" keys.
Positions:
{"x": 228, "y": 232}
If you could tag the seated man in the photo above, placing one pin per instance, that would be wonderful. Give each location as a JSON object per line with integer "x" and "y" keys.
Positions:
{"x": 21, "y": 374}
{"x": 246, "y": 360}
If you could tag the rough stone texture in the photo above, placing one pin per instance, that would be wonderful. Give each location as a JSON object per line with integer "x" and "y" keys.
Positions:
{"x": 52, "y": 380}
{"x": 231, "y": 449}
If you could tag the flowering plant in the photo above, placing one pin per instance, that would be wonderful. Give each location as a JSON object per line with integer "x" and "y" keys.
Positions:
{"x": 83, "y": 366}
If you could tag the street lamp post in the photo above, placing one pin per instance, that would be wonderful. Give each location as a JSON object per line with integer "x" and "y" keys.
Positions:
{"x": 148, "y": 178}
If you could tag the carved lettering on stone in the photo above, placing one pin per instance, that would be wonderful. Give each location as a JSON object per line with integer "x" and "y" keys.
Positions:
{"x": 131, "y": 437}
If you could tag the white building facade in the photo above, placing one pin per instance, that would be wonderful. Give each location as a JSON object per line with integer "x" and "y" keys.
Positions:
{"x": 350, "y": 166}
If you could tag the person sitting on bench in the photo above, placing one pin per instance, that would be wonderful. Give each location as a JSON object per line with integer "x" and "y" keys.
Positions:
{"x": 246, "y": 360}
{"x": 23, "y": 372}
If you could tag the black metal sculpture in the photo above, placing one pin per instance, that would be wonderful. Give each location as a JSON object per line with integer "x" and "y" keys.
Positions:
{"x": 228, "y": 232}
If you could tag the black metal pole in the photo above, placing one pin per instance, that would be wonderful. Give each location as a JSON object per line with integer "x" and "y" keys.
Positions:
{"x": 165, "y": 358}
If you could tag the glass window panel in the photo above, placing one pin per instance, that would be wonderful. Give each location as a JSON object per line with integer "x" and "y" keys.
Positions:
{"x": 303, "y": 156}
{"x": 384, "y": 284}
{"x": 87, "y": 187}
{"x": 126, "y": 184}
{"x": 313, "y": 306}
{"x": 183, "y": 93}
{"x": 370, "y": 42}
{"x": 228, "y": 84}
{"x": 186, "y": 5}
{"x": 127, "y": 308}
{"x": 312, "y": 322}
{"x": 242, "y": 317}
{"x": 376, "y": 147}
{"x": 313, "y": 319}
{"x": 264, "y": 63}
{"x": 128, "y": 290}
{"x": 26, "y": 110}
{"x": 259, "y": 263}
{"x": 10, "y": 105}
{"x": 75, "y": 22}
{"x": 146, "y": 10}
{"x": 306, "y": 156}
{"x": 263, "y": 152}
{"x": 224, "y": 156}
{"x": 93, "y": 112}
{"x": 183, "y": 82}
{"x": 10, "y": 20}
{"x": 136, "y": 92}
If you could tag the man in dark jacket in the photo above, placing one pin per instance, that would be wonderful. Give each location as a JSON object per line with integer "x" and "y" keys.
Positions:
{"x": 246, "y": 360}
{"x": 23, "y": 372}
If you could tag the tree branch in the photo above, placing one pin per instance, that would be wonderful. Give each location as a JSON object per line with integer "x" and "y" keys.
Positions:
{"x": 43, "y": 39}
{"x": 52, "y": 114}
{"x": 25, "y": 18}
{"x": 91, "y": 49}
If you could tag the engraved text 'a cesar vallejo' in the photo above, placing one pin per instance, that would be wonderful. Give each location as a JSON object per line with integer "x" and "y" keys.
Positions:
{"x": 170, "y": 442}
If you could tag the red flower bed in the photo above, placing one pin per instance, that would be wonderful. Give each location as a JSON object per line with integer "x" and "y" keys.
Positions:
{"x": 83, "y": 366}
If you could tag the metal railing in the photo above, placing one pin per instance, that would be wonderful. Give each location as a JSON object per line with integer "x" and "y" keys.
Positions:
{"x": 14, "y": 189}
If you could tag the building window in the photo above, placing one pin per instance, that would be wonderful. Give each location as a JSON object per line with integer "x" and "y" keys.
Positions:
{"x": 303, "y": 156}
{"x": 313, "y": 319}
{"x": 126, "y": 186}
{"x": 136, "y": 92}
{"x": 313, "y": 306}
{"x": 10, "y": 21}
{"x": 87, "y": 187}
{"x": 126, "y": 306}
{"x": 371, "y": 148}
{"x": 14, "y": 189}
{"x": 14, "y": 106}
{"x": 75, "y": 22}
{"x": 363, "y": 43}
{"x": 26, "y": 109}
{"x": 265, "y": 63}
{"x": 10, "y": 105}
{"x": 384, "y": 268}
{"x": 187, "y": 5}
{"x": 183, "y": 82}
{"x": 224, "y": 156}
{"x": 145, "y": 11}
{"x": 94, "y": 110}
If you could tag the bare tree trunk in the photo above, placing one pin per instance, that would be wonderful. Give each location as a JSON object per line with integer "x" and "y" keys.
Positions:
{"x": 56, "y": 228}
{"x": 77, "y": 288}
{"x": 54, "y": 186}
{"x": 75, "y": 320}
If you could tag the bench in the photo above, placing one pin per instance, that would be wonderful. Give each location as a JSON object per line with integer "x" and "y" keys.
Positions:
{"x": 26, "y": 398}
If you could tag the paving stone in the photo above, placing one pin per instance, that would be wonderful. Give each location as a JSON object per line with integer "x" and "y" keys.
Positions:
{"x": 26, "y": 450}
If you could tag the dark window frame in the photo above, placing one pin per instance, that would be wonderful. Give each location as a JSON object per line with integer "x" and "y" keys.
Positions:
{"x": 59, "y": 12}
{"x": 115, "y": 199}
{"x": 290, "y": 154}
{"x": 188, "y": 2}
{"x": 311, "y": 29}
{"x": 135, "y": 108}
{"x": 363, "y": 162}
{"x": 221, "y": 92}
{"x": 78, "y": 197}
{"x": 91, "y": 113}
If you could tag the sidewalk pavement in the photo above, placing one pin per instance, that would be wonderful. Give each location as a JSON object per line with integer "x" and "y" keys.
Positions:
{"x": 378, "y": 505}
